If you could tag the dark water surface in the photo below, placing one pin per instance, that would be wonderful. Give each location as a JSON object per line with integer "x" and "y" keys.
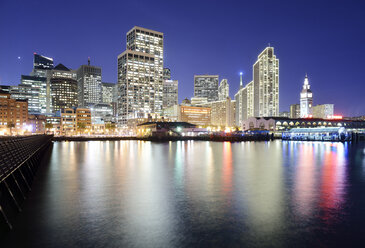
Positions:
{"x": 196, "y": 194}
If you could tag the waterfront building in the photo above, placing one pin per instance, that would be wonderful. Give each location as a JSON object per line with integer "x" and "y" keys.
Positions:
{"x": 323, "y": 111}
{"x": 140, "y": 75}
{"x": 306, "y": 99}
{"x": 34, "y": 90}
{"x": 284, "y": 123}
{"x": 83, "y": 120}
{"x": 170, "y": 93}
{"x": 223, "y": 90}
{"x": 192, "y": 114}
{"x": 64, "y": 88}
{"x": 13, "y": 114}
{"x": 166, "y": 129}
{"x": 53, "y": 125}
{"x": 195, "y": 115}
{"x": 101, "y": 113}
{"x": 68, "y": 121}
{"x": 36, "y": 124}
{"x": 295, "y": 111}
{"x": 222, "y": 112}
{"x": 266, "y": 84}
{"x": 166, "y": 74}
{"x": 107, "y": 92}
{"x": 89, "y": 85}
{"x": 244, "y": 101}
{"x": 206, "y": 86}
{"x": 132, "y": 124}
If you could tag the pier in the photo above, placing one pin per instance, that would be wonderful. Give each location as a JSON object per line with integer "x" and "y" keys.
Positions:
{"x": 19, "y": 160}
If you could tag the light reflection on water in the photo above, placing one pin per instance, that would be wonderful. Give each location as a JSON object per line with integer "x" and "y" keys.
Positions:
{"x": 189, "y": 193}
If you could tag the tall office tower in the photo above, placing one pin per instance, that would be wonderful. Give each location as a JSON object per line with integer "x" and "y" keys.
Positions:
{"x": 140, "y": 75}
{"x": 306, "y": 99}
{"x": 63, "y": 88}
{"x": 206, "y": 86}
{"x": 41, "y": 62}
{"x": 244, "y": 100}
{"x": 89, "y": 85}
{"x": 166, "y": 74}
{"x": 42, "y": 67}
{"x": 33, "y": 89}
{"x": 223, "y": 90}
{"x": 170, "y": 93}
{"x": 266, "y": 84}
{"x": 295, "y": 111}
{"x": 107, "y": 90}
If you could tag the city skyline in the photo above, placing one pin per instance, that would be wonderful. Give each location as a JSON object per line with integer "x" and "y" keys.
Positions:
{"x": 231, "y": 55}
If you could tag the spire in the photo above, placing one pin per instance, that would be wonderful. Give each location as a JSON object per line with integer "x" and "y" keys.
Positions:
{"x": 88, "y": 60}
{"x": 241, "y": 84}
{"x": 306, "y": 79}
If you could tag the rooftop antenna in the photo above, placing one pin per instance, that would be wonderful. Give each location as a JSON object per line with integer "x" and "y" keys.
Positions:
{"x": 241, "y": 84}
{"x": 88, "y": 60}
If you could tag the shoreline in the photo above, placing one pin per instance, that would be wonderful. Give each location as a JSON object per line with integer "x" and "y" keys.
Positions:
{"x": 166, "y": 139}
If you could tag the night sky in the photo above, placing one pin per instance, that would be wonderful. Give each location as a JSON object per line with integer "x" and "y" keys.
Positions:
{"x": 326, "y": 39}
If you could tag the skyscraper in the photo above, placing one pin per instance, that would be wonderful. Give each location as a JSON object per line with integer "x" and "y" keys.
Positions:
{"x": 306, "y": 99}
{"x": 89, "y": 85}
{"x": 244, "y": 103}
{"x": 170, "y": 93}
{"x": 206, "y": 86}
{"x": 107, "y": 90}
{"x": 266, "y": 84}
{"x": 223, "y": 90}
{"x": 41, "y": 62}
{"x": 63, "y": 88}
{"x": 42, "y": 67}
{"x": 34, "y": 90}
{"x": 140, "y": 75}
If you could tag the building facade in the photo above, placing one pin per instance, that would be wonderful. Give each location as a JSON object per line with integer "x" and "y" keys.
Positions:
{"x": 107, "y": 91}
{"x": 34, "y": 90}
{"x": 140, "y": 75}
{"x": 244, "y": 101}
{"x": 170, "y": 93}
{"x": 306, "y": 99}
{"x": 206, "y": 86}
{"x": 68, "y": 121}
{"x": 89, "y": 85}
{"x": 42, "y": 67}
{"x": 295, "y": 111}
{"x": 222, "y": 112}
{"x": 83, "y": 120}
{"x": 13, "y": 114}
{"x": 266, "y": 84}
{"x": 223, "y": 90}
{"x": 323, "y": 111}
{"x": 64, "y": 88}
{"x": 191, "y": 114}
{"x": 36, "y": 124}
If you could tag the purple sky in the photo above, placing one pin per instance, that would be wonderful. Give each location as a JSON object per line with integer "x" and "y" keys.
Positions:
{"x": 326, "y": 39}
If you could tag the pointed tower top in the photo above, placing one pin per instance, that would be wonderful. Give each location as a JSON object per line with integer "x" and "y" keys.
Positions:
{"x": 88, "y": 60}
{"x": 241, "y": 83}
